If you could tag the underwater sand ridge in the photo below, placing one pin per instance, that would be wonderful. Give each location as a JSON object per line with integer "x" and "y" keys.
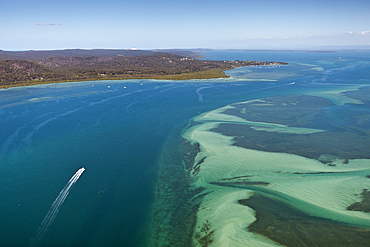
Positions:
{"x": 319, "y": 189}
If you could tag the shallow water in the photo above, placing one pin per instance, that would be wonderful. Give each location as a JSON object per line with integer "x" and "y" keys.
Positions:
{"x": 306, "y": 155}
{"x": 116, "y": 130}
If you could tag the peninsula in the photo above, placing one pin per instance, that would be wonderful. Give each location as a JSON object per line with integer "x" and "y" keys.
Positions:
{"x": 39, "y": 67}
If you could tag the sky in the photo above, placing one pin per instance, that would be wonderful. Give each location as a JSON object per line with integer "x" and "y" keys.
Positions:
{"x": 149, "y": 24}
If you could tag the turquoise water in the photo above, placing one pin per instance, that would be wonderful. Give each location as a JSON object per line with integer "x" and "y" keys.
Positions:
{"x": 116, "y": 129}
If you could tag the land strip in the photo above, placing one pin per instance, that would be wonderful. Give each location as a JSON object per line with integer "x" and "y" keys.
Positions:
{"x": 39, "y": 68}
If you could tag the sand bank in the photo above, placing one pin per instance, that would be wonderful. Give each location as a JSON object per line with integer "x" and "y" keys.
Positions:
{"x": 230, "y": 173}
{"x": 338, "y": 97}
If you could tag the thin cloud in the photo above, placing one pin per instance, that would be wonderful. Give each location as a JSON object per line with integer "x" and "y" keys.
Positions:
{"x": 350, "y": 33}
{"x": 328, "y": 39}
{"x": 48, "y": 24}
{"x": 360, "y": 32}
{"x": 364, "y": 32}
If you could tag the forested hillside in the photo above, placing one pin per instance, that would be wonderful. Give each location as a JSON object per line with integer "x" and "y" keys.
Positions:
{"x": 140, "y": 64}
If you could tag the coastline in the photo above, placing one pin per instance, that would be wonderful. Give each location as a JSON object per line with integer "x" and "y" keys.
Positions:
{"x": 16, "y": 73}
{"x": 210, "y": 74}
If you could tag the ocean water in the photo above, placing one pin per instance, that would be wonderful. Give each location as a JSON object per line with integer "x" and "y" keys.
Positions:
{"x": 116, "y": 130}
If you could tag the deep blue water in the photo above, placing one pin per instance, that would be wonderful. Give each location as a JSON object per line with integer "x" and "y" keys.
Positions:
{"x": 116, "y": 129}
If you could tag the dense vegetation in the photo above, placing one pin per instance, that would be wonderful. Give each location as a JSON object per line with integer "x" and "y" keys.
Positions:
{"x": 46, "y": 67}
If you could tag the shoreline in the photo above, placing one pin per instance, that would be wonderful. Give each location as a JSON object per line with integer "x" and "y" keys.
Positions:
{"x": 214, "y": 74}
{"x": 211, "y": 73}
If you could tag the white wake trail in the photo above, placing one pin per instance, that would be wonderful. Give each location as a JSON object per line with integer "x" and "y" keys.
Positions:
{"x": 54, "y": 209}
{"x": 200, "y": 96}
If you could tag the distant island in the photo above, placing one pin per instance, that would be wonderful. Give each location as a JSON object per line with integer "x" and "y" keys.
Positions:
{"x": 40, "y": 67}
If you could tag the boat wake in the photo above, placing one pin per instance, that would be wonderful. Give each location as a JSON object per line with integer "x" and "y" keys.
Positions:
{"x": 54, "y": 209}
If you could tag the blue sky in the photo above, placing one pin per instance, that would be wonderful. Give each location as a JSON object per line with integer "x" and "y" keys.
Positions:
{"x": 145, "y": 24}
